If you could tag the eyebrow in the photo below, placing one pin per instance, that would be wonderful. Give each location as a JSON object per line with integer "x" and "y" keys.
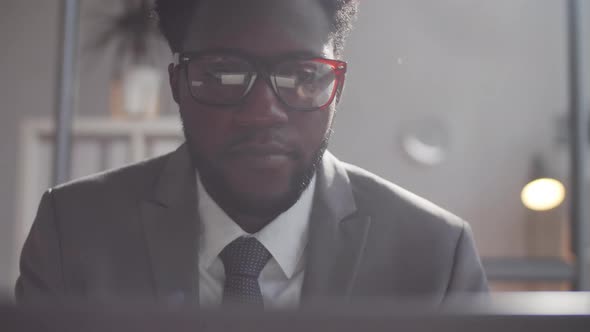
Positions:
{"x": 301, "y": 53}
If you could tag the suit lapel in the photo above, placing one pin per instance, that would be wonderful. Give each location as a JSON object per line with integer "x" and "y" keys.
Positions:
{"x": 338, "y": 233}
{"x": 170, "y": 221}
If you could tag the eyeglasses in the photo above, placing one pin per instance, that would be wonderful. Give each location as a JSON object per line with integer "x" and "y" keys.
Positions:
{"x": 226, "y": 78}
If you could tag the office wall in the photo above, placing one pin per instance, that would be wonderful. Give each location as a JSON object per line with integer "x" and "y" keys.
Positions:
{"x": 493, "y": 72}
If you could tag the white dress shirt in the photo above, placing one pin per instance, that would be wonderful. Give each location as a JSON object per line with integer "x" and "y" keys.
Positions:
{"x": 285, "y": 238}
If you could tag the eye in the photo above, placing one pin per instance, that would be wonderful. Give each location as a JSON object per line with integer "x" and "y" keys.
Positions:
{"x": 305, "y": 74}
{"x": 294, "y": 74}
{"x": 229, "y": 78}
{"x": 226, "y": 72}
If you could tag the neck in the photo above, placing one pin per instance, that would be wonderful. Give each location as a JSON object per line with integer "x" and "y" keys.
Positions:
{"x": 250, "y": 224}
{"x": 250, "y": 216}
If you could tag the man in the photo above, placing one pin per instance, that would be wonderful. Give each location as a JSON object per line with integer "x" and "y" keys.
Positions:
{"x": 252, "y": 208}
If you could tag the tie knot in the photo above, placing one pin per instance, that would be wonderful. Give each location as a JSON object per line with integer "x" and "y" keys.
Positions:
{"x": 245, "y": 256}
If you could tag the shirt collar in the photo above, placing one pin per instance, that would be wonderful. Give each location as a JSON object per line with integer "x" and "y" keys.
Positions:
{"x": 285, "y": 237}
{"x": 217, "y": 229}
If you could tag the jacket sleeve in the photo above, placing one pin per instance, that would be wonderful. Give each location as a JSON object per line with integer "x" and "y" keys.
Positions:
{"x": 41, "y": 262}
{"x": 467, "y": 275}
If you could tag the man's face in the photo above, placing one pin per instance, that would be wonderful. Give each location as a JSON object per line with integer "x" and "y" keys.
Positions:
{"x": 255, "y": 157}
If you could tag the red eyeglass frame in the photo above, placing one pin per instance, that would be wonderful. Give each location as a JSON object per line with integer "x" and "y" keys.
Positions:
{"x": 263, "y": 66}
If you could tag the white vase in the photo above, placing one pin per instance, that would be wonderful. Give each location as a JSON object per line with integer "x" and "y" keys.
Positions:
{"x": 141, "y": 91}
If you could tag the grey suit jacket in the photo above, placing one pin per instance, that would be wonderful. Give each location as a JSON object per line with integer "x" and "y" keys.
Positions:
{"x": 132, "y": 233}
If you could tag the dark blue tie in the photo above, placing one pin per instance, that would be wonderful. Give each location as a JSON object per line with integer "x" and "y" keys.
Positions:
{"x": 243, "y": 260}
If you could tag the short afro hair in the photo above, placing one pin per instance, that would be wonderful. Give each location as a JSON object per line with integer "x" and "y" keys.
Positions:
{"x": 173, "y": 17}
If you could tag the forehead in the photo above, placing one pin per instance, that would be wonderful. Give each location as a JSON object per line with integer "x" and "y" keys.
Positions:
{"x": 260, "y": 27}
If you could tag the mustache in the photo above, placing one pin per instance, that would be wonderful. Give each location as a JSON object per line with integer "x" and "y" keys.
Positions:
{"x": 271, "y": 136}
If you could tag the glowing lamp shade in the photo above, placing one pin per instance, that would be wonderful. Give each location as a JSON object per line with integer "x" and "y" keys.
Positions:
{"x": 543, "y": 194}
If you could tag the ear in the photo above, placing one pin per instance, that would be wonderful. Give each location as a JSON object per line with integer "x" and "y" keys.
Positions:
{"x": 174, "y": 78}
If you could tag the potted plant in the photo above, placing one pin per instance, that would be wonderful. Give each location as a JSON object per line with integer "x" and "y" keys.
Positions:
{"x": 135, "y": 87}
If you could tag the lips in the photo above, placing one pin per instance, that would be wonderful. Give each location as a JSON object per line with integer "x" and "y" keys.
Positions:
{"x": 261, "y": 155}
{"x": 260, "y": 149}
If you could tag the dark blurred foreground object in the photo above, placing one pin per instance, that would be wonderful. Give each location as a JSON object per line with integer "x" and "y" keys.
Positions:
{"x": 537, "y": 312}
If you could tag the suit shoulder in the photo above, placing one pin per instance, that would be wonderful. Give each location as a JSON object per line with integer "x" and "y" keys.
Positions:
{"x": 130, "y": 180}
{"x": 378, "y": 196}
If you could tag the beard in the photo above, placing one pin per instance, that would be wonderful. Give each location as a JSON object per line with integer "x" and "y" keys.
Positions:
{"x": 218, "y": 187}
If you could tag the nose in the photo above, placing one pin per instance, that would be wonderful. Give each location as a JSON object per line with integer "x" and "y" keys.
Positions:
{"x": 261, "y": 108}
